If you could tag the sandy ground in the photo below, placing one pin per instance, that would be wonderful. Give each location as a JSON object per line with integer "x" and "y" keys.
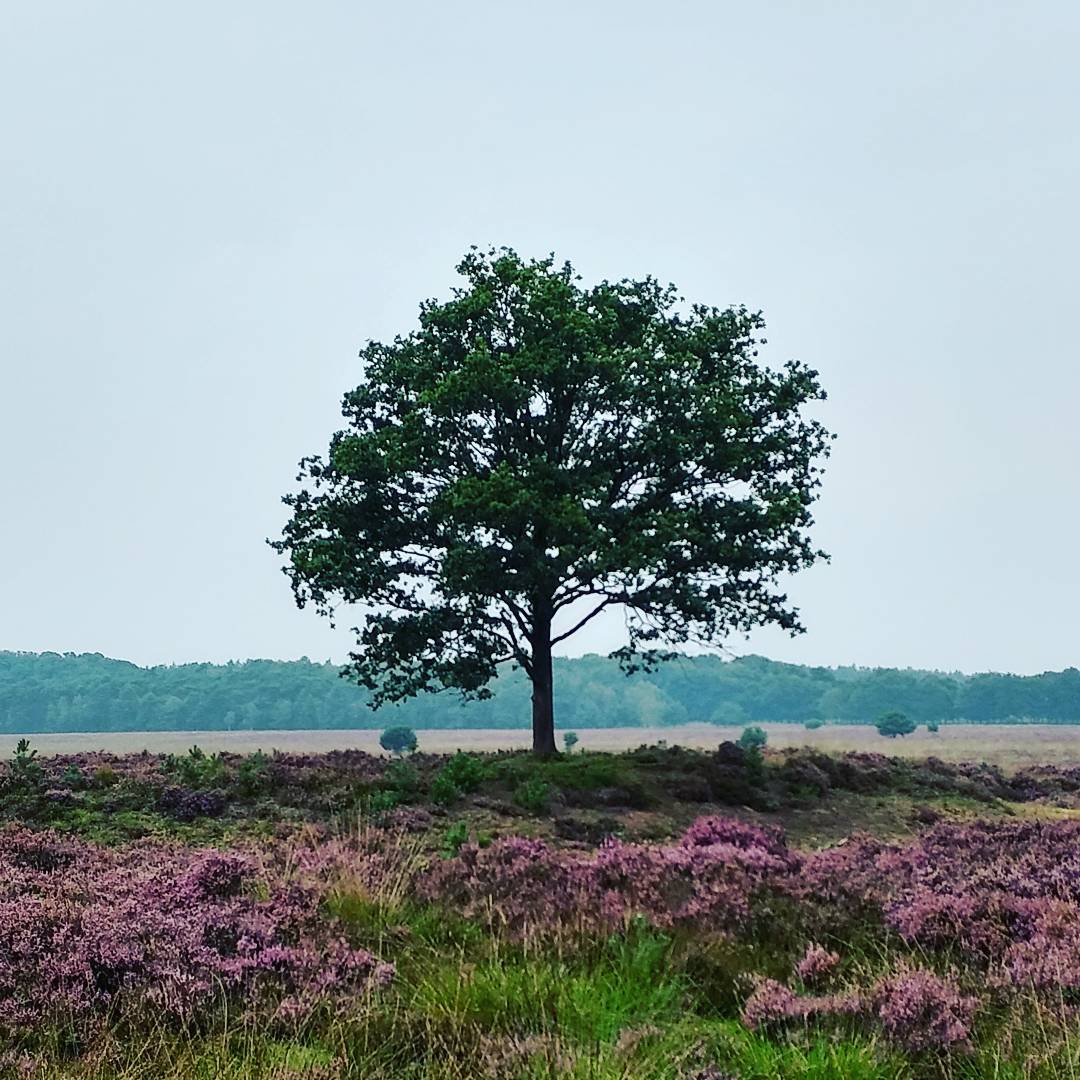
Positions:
{"x": 1006, "y": 745}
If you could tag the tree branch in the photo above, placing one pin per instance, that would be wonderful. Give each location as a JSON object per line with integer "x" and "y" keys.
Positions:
{"x": 592, "y": 615}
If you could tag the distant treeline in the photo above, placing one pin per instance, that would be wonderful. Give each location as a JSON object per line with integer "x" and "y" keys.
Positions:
{"x": 42, "y": 692}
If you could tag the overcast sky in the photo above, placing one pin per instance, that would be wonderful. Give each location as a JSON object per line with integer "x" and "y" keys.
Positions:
{"x": 207, "y": 208}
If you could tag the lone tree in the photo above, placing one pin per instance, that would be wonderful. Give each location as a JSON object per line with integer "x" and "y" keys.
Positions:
{"x": 537, "y": 452}
{"x": 891, "y": 724}
{"x": 398, "y": 740}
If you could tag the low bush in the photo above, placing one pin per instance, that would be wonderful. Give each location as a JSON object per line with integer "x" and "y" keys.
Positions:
{"x": 398, "y": 740}
{"x": 533, "y": 795}
{"x": 465, "y": 771}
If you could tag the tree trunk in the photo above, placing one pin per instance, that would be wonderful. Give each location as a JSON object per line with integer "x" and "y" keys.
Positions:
{"x": 543, "y": 704}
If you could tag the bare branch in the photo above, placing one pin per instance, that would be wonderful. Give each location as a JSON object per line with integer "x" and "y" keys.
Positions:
{"x": 592, "y": 615}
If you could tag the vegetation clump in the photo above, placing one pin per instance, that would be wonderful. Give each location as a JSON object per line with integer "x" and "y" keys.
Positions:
{"x": 892, "y": 724}
{"x": 398, "y": 740}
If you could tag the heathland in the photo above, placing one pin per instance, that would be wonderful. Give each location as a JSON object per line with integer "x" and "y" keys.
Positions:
{"x": 660, "y": 913}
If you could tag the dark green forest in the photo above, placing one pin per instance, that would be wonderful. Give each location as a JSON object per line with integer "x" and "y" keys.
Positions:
{"x": 41, "y": 692}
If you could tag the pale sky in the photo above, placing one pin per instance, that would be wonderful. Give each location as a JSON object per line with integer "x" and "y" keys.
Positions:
{"x": 207, "y": 208}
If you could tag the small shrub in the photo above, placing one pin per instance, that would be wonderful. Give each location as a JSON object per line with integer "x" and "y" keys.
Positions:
{"x": 753, "y": 738}
{"x": 933, "y": 727}
{"x": 379, "y": 802}
{"x": 570, "y": 740}
{"x": 465, "y": 772}
{"x": 533, "y": 796}
{"x": 196, "y": 769}
{"x": 454, "y": 839}
{"x": 25, "y": 768}
{"x": 74, "y": 778}
{"x": 814, "y": 723}
{"x": 401, "y": 778}
{"x": 253, "y": 775}
{"x": 444, "y": 791}
{"x": 105, "y": 776}
{"x": 891, "y": 724}
{"x": 398, "y": 740}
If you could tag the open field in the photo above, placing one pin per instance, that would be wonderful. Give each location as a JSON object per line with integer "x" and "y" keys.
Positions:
{"x": 1005, "y": 745}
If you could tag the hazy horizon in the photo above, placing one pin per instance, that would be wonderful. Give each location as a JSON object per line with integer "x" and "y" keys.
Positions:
{"x": 206, "y": 211}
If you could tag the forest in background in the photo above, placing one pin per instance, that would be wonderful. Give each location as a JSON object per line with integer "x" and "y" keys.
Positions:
{"x": 52, "y": 692}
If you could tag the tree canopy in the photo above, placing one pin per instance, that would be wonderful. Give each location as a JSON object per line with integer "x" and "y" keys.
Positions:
{"x": 536, "y": 452}
{"x": 895, "y": 723}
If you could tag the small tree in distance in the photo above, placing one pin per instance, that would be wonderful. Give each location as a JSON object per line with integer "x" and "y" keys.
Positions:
{"x": 753, "y": 738}
{"x": 398, "y": 740}
{"x": 570, "y": 740}
{"x": 537, "y": 453}
{"x": 892, "y": 724}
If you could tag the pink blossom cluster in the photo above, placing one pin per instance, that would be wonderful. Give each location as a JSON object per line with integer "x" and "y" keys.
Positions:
{"x": 85, "y": 930}
{"x": 708, "y": 878}
{"x": 916, "y": 1008}
{"x": 1006, "y": 892}
{"x": 817, "y": 964}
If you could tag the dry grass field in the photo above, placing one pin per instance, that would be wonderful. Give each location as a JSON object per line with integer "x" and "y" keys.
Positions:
{"x": 1007, "y": 745}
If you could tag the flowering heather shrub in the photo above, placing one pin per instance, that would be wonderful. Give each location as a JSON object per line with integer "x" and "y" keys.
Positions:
{"x": 1008, "y": 893}
{"x": 773, "y": 1003}
{"x": 709, "y": 879}
{"x": 915, "y": 1008}
{"x": 817, "y": 964}
{"x": 86, "y": 929}
{"x": 920, "y": 1011}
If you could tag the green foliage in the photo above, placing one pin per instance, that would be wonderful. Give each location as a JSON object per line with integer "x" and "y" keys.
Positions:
{"x": 398, "y": 740}
{"x": 581, "y": 772}
{"x": 196, "y": 769}
{"x": 753, "y": 738}
{"x": 74, "y": 778}
{"x": 570, "y": 740}
{"x": 253, "y": 774}
{"x": 814, "y": 723}
{"x": 105, "y": 776}
{"x": 443, "y": 790}
{"x": 25, "y": 768}
{"x": 481, "y": 485}
{"x": 402, "y": 778}
{"x": 933, "y": 727}
{"x": 894, "y": 723}
{"x": 380, "y": 801}
{"x": 465, "y": 771}
{"x": 454, "y": 839}
{"x": 533, "y": 795}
